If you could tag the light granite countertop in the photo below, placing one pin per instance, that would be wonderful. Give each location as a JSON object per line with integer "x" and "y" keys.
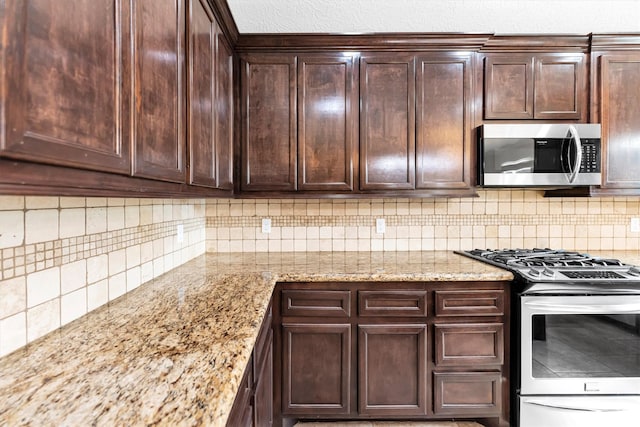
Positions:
{"x": 173, "y": 351}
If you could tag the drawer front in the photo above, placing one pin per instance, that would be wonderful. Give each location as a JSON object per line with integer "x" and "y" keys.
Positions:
{"x": 314, "y": 303}
{"x": 467, "y": 393}
{"x": 469, "y": 344}
{"x": 470, "y": 303}
{"x": 405, "y": 303}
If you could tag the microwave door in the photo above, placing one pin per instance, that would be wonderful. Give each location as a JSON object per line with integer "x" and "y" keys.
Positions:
{"x": 509, "y": 156}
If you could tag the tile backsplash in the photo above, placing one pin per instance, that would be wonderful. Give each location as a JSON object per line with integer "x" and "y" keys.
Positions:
{"x": 62, "y": 257}
{"x": 494, "y": 219}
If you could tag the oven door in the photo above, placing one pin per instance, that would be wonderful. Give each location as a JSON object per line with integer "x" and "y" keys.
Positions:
{"x": 580, "y": 345}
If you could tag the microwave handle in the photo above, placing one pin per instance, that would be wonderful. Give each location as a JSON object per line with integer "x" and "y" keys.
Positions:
{"x": 575, "y": 139}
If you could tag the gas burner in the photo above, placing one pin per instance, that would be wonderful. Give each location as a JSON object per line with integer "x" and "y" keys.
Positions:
{"x": 544, "y": 265}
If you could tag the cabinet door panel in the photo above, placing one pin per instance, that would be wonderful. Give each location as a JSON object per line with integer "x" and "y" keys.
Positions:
{"x": 508, "y": 87}
{"x": 316, "y": 369}
{"x": 210, "y": 100}
{"x": 65, "y": 79}
{"x": 327, "y": 122}
{"x": 264, "y": 386}
{"x": 387, "y": 131}
{"x": 559, "y": 87}
{"x": 467, "y": 393}
{"x": 242, "y": 411}
{"x": 392, "y": 369}
{"x": 202, "y": 93}
{"x": 224, "y": 113}
{"x": 159, "y": 113}
{"x": 443, "y": 135}
{"x": 620, "y": 109}
{"x": 469, "y": 344}
{"x": 268, "y": 116}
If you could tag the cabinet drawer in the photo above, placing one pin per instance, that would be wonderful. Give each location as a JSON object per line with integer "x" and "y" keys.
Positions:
{"x": 315, "y": 303}
{"x": 469, "y": 344}
{"x": 470, "y": 303}
{"x": 467, "y": 393}
{"x": 392, "y": 303}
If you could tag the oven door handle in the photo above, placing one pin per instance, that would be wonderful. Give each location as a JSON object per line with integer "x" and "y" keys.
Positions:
{"x": 591, "y": 408}
{"x": 555, "y": 307}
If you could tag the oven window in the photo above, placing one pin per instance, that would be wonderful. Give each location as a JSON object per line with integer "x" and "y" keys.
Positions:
{"x": 585, "y": 345}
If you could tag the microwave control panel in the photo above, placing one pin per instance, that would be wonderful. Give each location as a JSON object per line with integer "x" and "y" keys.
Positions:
{"x": 590, "y": 156}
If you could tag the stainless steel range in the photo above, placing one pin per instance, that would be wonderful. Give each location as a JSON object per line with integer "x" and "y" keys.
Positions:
{"x": 576, "y": 343}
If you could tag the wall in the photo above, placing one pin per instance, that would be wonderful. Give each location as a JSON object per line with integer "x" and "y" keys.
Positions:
{"x": 61, "y": 257}
{"x": 465, "y": 16}
{"x": 495, "y": 219}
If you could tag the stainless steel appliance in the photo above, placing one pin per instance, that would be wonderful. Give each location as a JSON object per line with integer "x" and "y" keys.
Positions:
{"x": 576, "y": 338}
{"x": 539, "y": 155}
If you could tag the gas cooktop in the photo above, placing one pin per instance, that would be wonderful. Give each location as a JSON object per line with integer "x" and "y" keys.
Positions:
{"x": 552, "y": 265}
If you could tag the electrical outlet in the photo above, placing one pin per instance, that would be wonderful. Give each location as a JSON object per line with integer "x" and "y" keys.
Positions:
{"x": 180, "y": 233}
{"x": 635, "y": 225}
{"x": 266, "y": 225}
{"x": 380, "y": 226}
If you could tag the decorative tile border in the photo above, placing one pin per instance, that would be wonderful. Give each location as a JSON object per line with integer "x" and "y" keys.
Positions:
{"x": 35, "y": 257}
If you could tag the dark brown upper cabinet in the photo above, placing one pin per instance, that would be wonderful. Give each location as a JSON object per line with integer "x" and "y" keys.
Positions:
{"x": 327, "y": 122}
{"x": 159, "y": 114}
{"x": 66, "y": 79}
{"x": 535, "y": 86}
{"x": 619, "y": 114}
{"x": 443, "y": 117}
{"x": 387, "y": 121}
{"x": 268, "y": 108}
{"x": 210, "y": 100}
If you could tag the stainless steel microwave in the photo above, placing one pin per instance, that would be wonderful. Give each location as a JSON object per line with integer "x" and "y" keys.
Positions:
{"x": 539, "y": 155}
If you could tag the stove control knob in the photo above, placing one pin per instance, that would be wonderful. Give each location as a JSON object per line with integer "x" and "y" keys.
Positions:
{"x": 533, "y": 272}
{"x": 634, "y": 271}
{"x": 547, "y": 272}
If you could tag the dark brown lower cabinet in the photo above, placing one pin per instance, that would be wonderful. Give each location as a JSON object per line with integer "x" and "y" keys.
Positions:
{"x": 392, "y": 369}
{"x": 263, "y": 402}
{"x": 242, "y": 411}
{"x": 396, "y": 351}
{"x": 253, "y": 405}
{"x": 316, "y": 368}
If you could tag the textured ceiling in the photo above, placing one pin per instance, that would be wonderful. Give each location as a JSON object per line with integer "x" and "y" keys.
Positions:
{"x": 467, "y": 16}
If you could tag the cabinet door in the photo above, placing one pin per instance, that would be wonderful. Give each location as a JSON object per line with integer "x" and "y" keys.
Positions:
{"x": 159, "y": 148}
{"x": 443, "y": 112}
{"x": 560, "y": 90}
{"x": 209, "y": 132}
{"x": 387, "y": 122}
{"x": 264, "y": 386}
{"x": 316, "y": 369}
{"x": 242, "y": 411}
{"x": 392, "y": 366}
{"x": 620, "y": 118}
{"x": 224, "y": 112}
{"x": 64, "y": 95}
{"x": 508, "y": 81}
{"x": 327, "y": 122}
{"x": 269, "y": 121}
